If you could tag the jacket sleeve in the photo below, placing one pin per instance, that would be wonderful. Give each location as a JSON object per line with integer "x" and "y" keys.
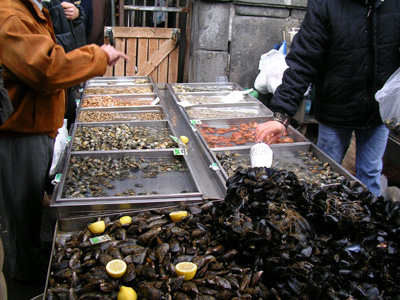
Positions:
{"x": 304, "y": 60}
{"x": 33, "y": 56}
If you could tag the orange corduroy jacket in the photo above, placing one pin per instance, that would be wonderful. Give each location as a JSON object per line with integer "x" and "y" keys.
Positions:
{"x": 37, "y": 70}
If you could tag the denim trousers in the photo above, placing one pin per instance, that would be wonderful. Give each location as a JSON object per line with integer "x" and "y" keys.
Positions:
{"x": 370, "y": 148}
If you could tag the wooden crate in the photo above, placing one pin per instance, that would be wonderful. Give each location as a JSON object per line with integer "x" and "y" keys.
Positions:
{"x": 153, "y": 52}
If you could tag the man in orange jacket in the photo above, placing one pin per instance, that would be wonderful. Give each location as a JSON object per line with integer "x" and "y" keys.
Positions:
{"x": 36, "y": 73}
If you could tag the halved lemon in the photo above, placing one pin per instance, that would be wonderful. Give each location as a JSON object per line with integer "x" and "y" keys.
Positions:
{"x": 97, "y": 227}
{"x": 186, "y": 269}
{"x": 126, "y": 293}
{"x": 116, "y": 268}
{"x": 184, "y": 139}
{"x": 125, "y": 220}
{"x": 178, "y": 215}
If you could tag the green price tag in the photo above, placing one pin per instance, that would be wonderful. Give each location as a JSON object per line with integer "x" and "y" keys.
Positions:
{"x": 178, "y": 141}
{"x": 214, "y": 166}
{"x": 100, "y": 239}
{"x": 180, "y": 152}
{"x": 195, "y": 122}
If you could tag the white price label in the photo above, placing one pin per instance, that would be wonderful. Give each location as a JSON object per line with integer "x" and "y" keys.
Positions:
{"x": 195, "y": 122}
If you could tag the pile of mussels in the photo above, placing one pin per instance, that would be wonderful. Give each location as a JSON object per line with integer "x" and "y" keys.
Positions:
{"x": 273, "y": 237}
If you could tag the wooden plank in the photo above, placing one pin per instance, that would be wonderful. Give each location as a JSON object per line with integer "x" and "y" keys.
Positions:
{"x": 163, "y": 70}
{"x": 173, "y": 66}
{"x": 151, "y": 64}
{"x": 119, "y": 68}
{"x": 153, "y": 48}
{"x": 142, "y": 51}
{"x": 143, "y": 32}
{"x": 131, "y": 45}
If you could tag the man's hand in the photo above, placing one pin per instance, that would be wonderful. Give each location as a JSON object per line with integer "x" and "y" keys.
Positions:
{"x": 114, "y": 54}
{"x": 70, "y": 10}
{"x": 272, "y": 130}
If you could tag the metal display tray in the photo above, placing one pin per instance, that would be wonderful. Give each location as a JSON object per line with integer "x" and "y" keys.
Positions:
{"x": 287, "y": 157}
{"x": 124, "y": 180}
{"x": 153, "y": 129}
{"x": 210, "y": 98}
{"x": 122, "y": 88}
{"x": 205, "y": 87}
{"x": 246, "y": 109}
{"x": 125, "y": 100}
{"x": 103, "y": 114}
{"x": 296, "y": 136}
{"x": 115, "y": 80}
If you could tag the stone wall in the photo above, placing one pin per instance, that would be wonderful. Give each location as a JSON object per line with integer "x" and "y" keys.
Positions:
{"x": 228, "y": 37}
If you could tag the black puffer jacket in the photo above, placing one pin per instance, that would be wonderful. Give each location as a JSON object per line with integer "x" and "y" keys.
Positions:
{"x": 69, "y": 34}
{"x": 348, "y": 49}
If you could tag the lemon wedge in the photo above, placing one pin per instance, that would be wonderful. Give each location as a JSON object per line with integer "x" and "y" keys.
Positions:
{"x": 186, "y": 269}
{"x": 126, "y": 293}
{"x": 97, "y": 227}
{"x": 116, "y": 268}
{"x": 184, "y": 139}
{"x": 178, "y": 215}
{"x": 125, "y": 220}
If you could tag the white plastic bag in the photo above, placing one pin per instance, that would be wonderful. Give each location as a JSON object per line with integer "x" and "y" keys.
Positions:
{"x": 389, "y": 98}
{"x": 59, "y": 148}
{"x": 271, "y": 66}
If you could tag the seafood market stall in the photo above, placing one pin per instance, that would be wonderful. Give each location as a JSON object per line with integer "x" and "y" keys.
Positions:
{"x": 143, "y": 152}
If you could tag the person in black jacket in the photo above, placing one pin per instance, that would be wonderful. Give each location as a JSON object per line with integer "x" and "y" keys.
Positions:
{"x": 69, "y": 26}
{"x": 347, "y": 49}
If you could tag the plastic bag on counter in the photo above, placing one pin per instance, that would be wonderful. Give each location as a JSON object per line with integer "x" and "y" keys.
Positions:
{"x": 388, "y": 98}
{"x": 271, "y": 66}
{"x": 59, "y": 148}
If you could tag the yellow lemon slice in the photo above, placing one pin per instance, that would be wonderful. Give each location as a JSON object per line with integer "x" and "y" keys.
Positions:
{"x": 186, "y": 269}
{"x": 116, "y": 268}
{"x": 178, "y": 215}
{"x": 126, "y": 293}
{"x": 125, "y": 220}
{"x": 97, "y": 227}
{"x": 184, "y": 139}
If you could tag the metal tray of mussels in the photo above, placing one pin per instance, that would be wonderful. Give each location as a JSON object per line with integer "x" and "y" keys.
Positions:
{"x": 118, "y": 136}
{"x": 116, "y": 80}
{"x": 225, "y": 111}
{"x": 210, "y": 98}
{"x": 105, "y": 114}
{"x": 238, "y": 132}
{"x": 121, "y": 180}
{"x": 127, "y": 101}
{"x": 122, "y": 88}
{"x": 307, "y": 161}
{"x": 205, "y": 87}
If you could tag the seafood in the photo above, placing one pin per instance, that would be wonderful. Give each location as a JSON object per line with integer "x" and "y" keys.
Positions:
{"x": 304, "y": 164}
{"x": 394, "y": 125}
{"x": 233, "y": 134}
{"x": 273, "y": 237}
{"x": 208, "y": 113}
{"x": 103, "y": 116}
{"x": 101, "y": 90}
{"x": 107, "y": 176}
{"x": 122, "y": 137}
{"x": 182, "y": 88}
{"x": 108, "y": 101}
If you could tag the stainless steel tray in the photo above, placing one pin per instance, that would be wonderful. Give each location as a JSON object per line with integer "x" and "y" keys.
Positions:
{"x": 106, "y": 114}
{"x": 120, "y": 136}
{"x": 220, "y": 138}
{"x": 126, "y": 100}
{"x": 205, "y": 87}
{"x": 210, "y": 98}
{"x": 306, "y": 160}
{"x": 128, "y": 177}
{"x": 122, "y": 88}
{"x": 224, "y": 111}
{"x": 111, "y": 80}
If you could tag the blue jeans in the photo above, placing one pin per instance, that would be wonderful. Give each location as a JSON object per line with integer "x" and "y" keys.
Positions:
{"x": 370, "y": 148}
